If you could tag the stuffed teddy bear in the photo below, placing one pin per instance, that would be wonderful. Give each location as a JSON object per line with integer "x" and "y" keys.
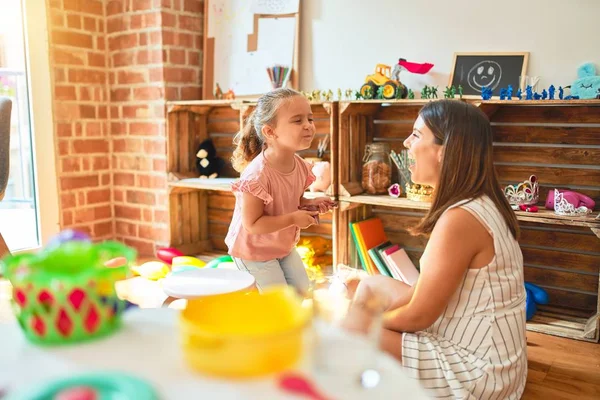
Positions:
{"x": 209, "y": 166}
{"x": 587, "y": 84}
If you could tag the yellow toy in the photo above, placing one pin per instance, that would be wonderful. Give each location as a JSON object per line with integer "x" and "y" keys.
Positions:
{"x": 187, "y": 261}
{"x": 381, "y": 81}
{"x": 313, "y": 252}
{"x": 153, "y": 270}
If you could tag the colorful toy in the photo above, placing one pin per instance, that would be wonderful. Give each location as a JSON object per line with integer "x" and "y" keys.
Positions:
{"x": 574, "y": 198}
{"x": 486, "y": 93}
{"x": 460, "y": 91}
{"x": 187, "y": 260}
{"x": 339, "y": 94}
{"x": 537, "y": 96}
{"x": 66, "y": 294}
{"x": 214, "y": 263}
{"x": 587, "y": 84}
{"x": 166, "y": 254}
{"x": 218, "y": 92}
{"x": 560, "y": 92}
{"x": 433, "y": 92}
{"x": 544, "y": 94}
{"x": 535, "y": 295}
{"x": 208, "y": 165}
{"x": 299, "y": 385}
{"x": 502, "y": 94}
{"x": 90, "y": 386}
{"x": 322, "y": 172}
{"x": 519, "y": 94}
{"x": 390, "y": 81}
{"x": 551, "y": 91}
{"x": 425, "y": 92}
{"x": 528, "y": 93}
{"x": 229, "y": 95}
{"x": 152, "y": 270}
{"x": 411, "y": 94}
{"x": 67, "y": 235}
{"x": 509, "y": 92}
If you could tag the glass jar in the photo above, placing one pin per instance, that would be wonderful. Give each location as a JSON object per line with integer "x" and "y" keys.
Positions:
{"x": 377, "y": 168}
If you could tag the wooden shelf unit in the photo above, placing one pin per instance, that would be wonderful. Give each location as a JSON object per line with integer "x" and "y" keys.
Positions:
{"x": 559, "y": 141}
{"x": 200, "y": 210}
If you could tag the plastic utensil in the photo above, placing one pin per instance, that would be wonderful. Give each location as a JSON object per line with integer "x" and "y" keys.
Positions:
{"x": 298, "y": 384}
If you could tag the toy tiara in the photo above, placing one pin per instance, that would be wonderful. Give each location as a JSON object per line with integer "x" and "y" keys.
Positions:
{"x": 563, "y": 207}
{"x": 525, "y": 193}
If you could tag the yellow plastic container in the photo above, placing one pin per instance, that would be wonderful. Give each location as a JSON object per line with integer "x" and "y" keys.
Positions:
{"x": 240, "y": 335}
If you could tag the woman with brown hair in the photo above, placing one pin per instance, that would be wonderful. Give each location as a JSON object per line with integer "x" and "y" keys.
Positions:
{"x": 460, "y": 329}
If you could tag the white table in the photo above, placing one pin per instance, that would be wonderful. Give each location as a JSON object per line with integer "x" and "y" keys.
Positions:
{"x": 147, "y": 347}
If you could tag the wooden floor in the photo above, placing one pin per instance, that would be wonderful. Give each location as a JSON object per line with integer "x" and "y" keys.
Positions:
{"x": 562, "y": 368}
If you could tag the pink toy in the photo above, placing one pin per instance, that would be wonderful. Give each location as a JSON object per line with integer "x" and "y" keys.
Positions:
{"x": 322, "y": 171}
{"x": 298, "y": 384}
{"x": 575, "y": 198}
{"x": 167, "y": 254}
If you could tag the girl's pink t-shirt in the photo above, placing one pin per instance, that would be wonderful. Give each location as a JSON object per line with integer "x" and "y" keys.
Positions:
{"x": 281, "y": 193}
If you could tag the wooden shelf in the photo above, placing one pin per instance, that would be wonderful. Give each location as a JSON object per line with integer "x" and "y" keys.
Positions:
{"x": 542, "y": 216}
{"x": 562, "y": 322}
{"x": 221, "y": 184}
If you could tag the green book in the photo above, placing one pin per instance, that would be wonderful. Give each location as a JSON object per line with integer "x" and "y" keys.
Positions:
{"x": 362, "y": 261}
{"x": 376, "y": 257}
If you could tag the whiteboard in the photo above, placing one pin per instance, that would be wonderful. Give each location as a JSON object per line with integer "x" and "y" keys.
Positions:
{"x": 229, "y": 24}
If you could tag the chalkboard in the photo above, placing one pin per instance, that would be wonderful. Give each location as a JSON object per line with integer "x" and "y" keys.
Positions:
{"x": 494, "y": 70}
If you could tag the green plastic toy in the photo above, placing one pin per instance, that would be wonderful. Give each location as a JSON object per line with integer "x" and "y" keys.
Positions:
{"x": 67, "y": 294}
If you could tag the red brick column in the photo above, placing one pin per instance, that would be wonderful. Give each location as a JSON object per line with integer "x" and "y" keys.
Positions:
{"x": 110, "y": 90}
{"x": 79, "y": 70}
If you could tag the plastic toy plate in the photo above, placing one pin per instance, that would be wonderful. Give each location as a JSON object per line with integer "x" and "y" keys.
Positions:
{"x": 108, "y": 386}
{"x": 206, "y": 282}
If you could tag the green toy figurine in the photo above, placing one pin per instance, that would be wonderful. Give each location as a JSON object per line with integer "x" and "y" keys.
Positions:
{"x": 448, "y": 93}
{"x": 349, "y": 94}
{"x": 425, "y": 92}
{"x": 460, "y": 91}
{"x": 411, "y": 94}
{"x": 433, "y": 92}
{"x": 339, "y": 94}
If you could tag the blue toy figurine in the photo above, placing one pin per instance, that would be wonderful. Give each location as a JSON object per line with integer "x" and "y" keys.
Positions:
{"x": 509, "y": 92}
{"x": 503, "y": 94}
{"x": 537, "y": 96}
{"x": 519, "y": 94}
{"x": 551, "y": 91}
{"x": 528, "y": 93}
{"x": 486, "y": 93}
{"x": 544, "y": 94}
{"x": 560, "y": 92}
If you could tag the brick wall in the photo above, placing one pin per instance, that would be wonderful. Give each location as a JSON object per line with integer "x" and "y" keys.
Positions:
{"x": 79, "y": 71}
{"x": 151, "y": 52}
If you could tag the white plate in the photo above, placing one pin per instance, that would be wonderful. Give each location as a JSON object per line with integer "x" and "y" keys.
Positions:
{"x": 206, "y": 282}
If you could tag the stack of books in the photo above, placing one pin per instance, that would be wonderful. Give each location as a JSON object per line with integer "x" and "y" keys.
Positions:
{"x": 378, "y": 255}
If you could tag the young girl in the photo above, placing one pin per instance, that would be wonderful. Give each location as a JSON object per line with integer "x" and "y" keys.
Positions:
{"x": 460, "y": 329}
{"x": 267, "y": 220}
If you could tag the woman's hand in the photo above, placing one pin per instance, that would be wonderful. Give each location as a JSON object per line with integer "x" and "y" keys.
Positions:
{"x": 303, "y": 219}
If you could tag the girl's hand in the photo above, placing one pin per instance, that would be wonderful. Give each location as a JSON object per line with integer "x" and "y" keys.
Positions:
{"x": 325, "y": 204}
{"x": 303, "y": 219}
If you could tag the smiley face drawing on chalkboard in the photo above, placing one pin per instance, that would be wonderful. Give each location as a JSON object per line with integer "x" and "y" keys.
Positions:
{"x": 484, "y": 74}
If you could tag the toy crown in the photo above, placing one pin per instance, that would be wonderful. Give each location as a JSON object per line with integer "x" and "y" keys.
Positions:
{"x": 563, "y": 207}
{"x": 525, "y": 193}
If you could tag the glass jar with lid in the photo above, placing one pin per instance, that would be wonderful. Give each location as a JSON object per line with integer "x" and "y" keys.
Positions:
{"x": 377, "y": 168}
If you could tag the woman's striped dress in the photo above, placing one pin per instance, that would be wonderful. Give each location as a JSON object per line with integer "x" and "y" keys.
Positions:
{"x": 477, "y": 348}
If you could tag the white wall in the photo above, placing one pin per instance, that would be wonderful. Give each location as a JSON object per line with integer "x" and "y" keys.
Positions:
{"x": 342, "y": 40}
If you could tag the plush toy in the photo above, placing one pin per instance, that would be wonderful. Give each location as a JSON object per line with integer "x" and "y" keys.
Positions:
{"x": 209, "y": 166}
{"x": 535, "y": 295}
{"x": 587, "y": 84}
{"x": 322, "y": 172}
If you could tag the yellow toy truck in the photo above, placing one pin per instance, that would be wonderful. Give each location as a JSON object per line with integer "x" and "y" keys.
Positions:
{"x": 382, "y": 81}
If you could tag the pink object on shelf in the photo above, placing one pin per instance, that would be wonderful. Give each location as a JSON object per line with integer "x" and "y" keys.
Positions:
{"x": 167, "y": 254}
{"x": 416, "y": 68}
{"x": 575, "y": 198}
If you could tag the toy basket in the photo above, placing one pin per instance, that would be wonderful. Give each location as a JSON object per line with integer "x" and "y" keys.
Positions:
{"x": 67, "y": 294}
